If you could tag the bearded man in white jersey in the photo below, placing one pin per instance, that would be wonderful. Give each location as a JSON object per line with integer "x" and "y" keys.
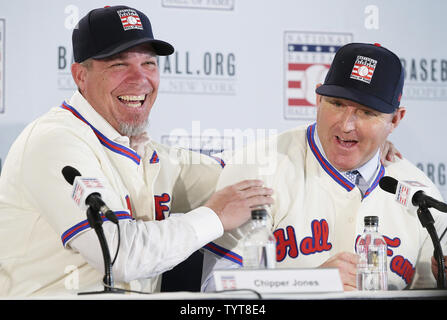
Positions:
{"x": 49, "y": 247}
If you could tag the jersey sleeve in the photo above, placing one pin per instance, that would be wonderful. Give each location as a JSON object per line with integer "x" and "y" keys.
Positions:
{"x": 148, "y": 248}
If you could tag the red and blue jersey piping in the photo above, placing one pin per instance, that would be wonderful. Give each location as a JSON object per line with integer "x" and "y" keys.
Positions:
{"x": 109, "y": 144}
{"x": 224, "y": 253}
{"x": 71, "y": 232}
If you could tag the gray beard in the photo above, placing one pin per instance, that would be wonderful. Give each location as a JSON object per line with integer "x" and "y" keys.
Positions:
{"x": 131, "y": 130}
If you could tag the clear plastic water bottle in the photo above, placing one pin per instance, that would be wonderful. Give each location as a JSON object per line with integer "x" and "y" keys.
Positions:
{"x": 260, "y": 243}
{"x": 372, "y": 270}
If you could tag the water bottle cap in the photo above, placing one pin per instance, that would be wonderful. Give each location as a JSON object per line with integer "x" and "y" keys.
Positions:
{"x": 258, "y": 213}
{"x": 371, "y": 220}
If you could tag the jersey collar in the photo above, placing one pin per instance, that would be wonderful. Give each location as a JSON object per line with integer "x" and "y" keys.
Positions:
{"x": 105, "y": 133}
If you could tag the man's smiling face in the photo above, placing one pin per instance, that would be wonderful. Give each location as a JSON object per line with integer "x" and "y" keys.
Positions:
{"x": 122, "y": 88}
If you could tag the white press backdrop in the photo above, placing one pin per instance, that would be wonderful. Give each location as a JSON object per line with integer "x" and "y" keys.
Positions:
{"x": 239, "y": 65}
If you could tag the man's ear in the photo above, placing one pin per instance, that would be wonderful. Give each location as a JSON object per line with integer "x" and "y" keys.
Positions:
{"x": 79, "y": 72}
{"x": 398, "y": 116}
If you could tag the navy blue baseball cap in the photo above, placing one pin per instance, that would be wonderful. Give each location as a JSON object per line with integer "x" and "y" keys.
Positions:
{"x": 368, "y": 74}
{"x": 110, "y": 30}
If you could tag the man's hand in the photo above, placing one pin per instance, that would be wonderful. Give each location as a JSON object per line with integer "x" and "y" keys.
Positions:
{"x": 346, "y": 263}
{"x": 233, "y": 203}
{"x": 388, "y": 152}
{"x": 434, "y": 266}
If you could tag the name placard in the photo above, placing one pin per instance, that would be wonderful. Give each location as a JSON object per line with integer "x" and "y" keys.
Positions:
{"x": 280, "y": 280}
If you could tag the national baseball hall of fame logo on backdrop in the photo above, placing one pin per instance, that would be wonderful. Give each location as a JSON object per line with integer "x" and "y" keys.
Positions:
{"x": 2, "y": 65}
{"x": 308, "y": 56}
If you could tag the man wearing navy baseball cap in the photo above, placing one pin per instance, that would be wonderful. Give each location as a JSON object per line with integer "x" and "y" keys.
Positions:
{"x": 101, "y": 132}
{"x": 358, "y": 107}
{"x": 326, "y": 178}
{"x": 117, "y": 32}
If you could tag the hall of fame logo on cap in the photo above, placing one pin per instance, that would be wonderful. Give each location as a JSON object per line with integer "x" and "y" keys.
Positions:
{"x": 308, "y": 56}
{"x": 363, "y": 69}
{"x": 130, "y": 19}
{"x": 2, "y": 65}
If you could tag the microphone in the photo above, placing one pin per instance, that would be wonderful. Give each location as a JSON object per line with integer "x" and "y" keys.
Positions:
{"x": 87, "y": 193}
{"x": 410, "y": 193}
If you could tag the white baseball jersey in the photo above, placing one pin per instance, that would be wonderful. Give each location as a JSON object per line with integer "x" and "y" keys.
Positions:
{"x": 40, "y": 222}
{"x": 318, "y": 212}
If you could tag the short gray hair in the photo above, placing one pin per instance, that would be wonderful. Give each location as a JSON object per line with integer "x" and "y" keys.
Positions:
{"x": 87, "y": 63}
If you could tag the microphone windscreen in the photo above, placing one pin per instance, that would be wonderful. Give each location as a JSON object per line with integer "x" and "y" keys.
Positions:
{"x": 388, "y": 184}
{"x": 70, "y": 174}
